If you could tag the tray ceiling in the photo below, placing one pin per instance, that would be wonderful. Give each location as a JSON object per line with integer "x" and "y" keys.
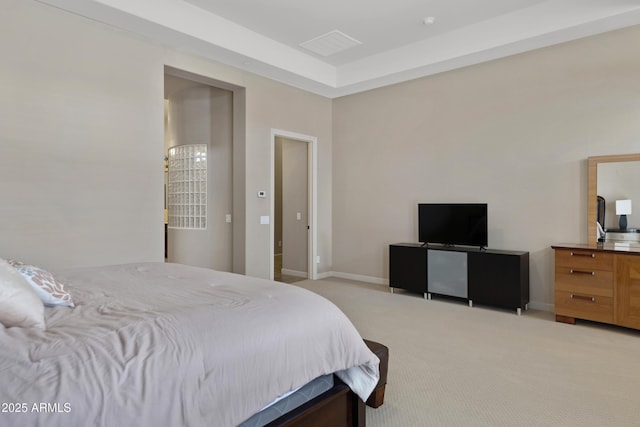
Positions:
{"x": 338, "y": 47}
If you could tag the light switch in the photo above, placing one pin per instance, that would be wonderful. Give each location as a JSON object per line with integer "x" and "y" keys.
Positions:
{"x": 298, "y": 216}
{"x": 228, "y": 218}
{"x": 264, "y": 219}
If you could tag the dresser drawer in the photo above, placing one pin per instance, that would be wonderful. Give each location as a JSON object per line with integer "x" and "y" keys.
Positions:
{"x": 584, "y": 259}
{"x": 586, "y": 281}
{"x": 584, "y": 306}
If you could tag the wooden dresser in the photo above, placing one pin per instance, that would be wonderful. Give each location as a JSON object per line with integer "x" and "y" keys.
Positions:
{"x": 599, "y": 282}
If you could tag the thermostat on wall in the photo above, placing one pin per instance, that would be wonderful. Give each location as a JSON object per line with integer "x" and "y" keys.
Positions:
{"x": 262, "y": 194}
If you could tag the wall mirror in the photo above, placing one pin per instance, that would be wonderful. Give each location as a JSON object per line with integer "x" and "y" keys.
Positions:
{"x": 615, "y": 174}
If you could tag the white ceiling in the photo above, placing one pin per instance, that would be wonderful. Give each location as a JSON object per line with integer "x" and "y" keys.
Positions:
{"x": 265, "y": 37}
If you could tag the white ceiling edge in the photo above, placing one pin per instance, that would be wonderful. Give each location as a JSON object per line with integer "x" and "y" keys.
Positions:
{"x": 402, "y": 65}
{"x": 535, "y": 27}
{"x": 181, "y": 25}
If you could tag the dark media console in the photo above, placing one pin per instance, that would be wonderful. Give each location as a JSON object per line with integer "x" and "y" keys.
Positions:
{"x": 489, "y": 277}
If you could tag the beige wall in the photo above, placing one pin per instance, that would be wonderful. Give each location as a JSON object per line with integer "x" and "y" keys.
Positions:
{"x": 81, "y": 113}
{"x": 514, "y": 133}
{"x": 80, "y": 141}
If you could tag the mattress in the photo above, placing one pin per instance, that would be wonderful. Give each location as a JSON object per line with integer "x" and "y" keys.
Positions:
{"x": 290, "y": 402}
{"x": 165, "y": 344}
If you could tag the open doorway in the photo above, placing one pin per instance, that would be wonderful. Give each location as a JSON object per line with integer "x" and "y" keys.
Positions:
{"x": 293, "y": 230}
{"x": 291, "y": 211}
{"x": 199, "y": 118}
{"x": 201, "y": 110}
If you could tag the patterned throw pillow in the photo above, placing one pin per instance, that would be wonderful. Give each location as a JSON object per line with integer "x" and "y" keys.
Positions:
{"x": 50, "y": 291}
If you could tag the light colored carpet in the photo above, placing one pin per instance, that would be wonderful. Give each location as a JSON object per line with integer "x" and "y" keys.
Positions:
{"x": 452, "y": 365}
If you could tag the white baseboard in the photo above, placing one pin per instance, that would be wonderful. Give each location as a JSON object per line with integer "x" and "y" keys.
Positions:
{"x": 359, "y": 277}
{"x": 324, "y": 275}
{"x": 535, "y": 305}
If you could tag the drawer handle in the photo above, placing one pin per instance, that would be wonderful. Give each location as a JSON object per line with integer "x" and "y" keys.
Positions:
{"x": 590, "y": 273}
{"x": 582, "y": 297}
{"x": 582, "y": 254}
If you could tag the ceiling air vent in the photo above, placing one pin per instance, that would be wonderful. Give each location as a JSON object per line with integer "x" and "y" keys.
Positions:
{"x": 328, "y": 44}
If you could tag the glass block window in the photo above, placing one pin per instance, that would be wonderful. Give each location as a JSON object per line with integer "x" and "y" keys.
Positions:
{"x": 187, "y": 186}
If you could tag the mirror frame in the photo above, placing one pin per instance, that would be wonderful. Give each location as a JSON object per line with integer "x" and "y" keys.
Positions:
{"x": 592, "y": 188}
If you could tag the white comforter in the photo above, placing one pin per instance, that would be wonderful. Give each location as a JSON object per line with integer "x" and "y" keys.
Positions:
{"x": 169, "y": 345}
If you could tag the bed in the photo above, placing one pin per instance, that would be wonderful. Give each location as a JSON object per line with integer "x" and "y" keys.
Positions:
{"x": 163, "y": 344}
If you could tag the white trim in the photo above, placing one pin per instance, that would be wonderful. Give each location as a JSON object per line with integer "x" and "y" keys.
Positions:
{"x": 325, "y": 275}
{"x": 534, "y": 305}
{"x": 189, "y": 28}
{"x": 360, "y": 278}
{"x": 313, "y": 198}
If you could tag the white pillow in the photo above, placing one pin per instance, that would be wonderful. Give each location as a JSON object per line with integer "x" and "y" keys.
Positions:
{"x": 19, "y": 304}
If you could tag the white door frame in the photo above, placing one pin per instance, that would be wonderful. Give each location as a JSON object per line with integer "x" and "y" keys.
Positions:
{"x": 312, "y": 171}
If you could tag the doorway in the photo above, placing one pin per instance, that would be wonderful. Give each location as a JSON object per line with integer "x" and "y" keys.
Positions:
{"x": 291, "y": 225}
{"x": 293, "y": 207}
{"x": 204, "y": 110}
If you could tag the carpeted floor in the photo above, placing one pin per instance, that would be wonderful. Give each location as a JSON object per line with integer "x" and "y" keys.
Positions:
{"x": 452, "y": 365}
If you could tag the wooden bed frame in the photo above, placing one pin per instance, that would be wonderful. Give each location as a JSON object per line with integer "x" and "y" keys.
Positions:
{"x": 338, "y": 406}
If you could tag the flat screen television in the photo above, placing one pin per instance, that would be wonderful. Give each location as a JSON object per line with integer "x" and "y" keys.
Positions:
{"x": 462, "y": 224}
